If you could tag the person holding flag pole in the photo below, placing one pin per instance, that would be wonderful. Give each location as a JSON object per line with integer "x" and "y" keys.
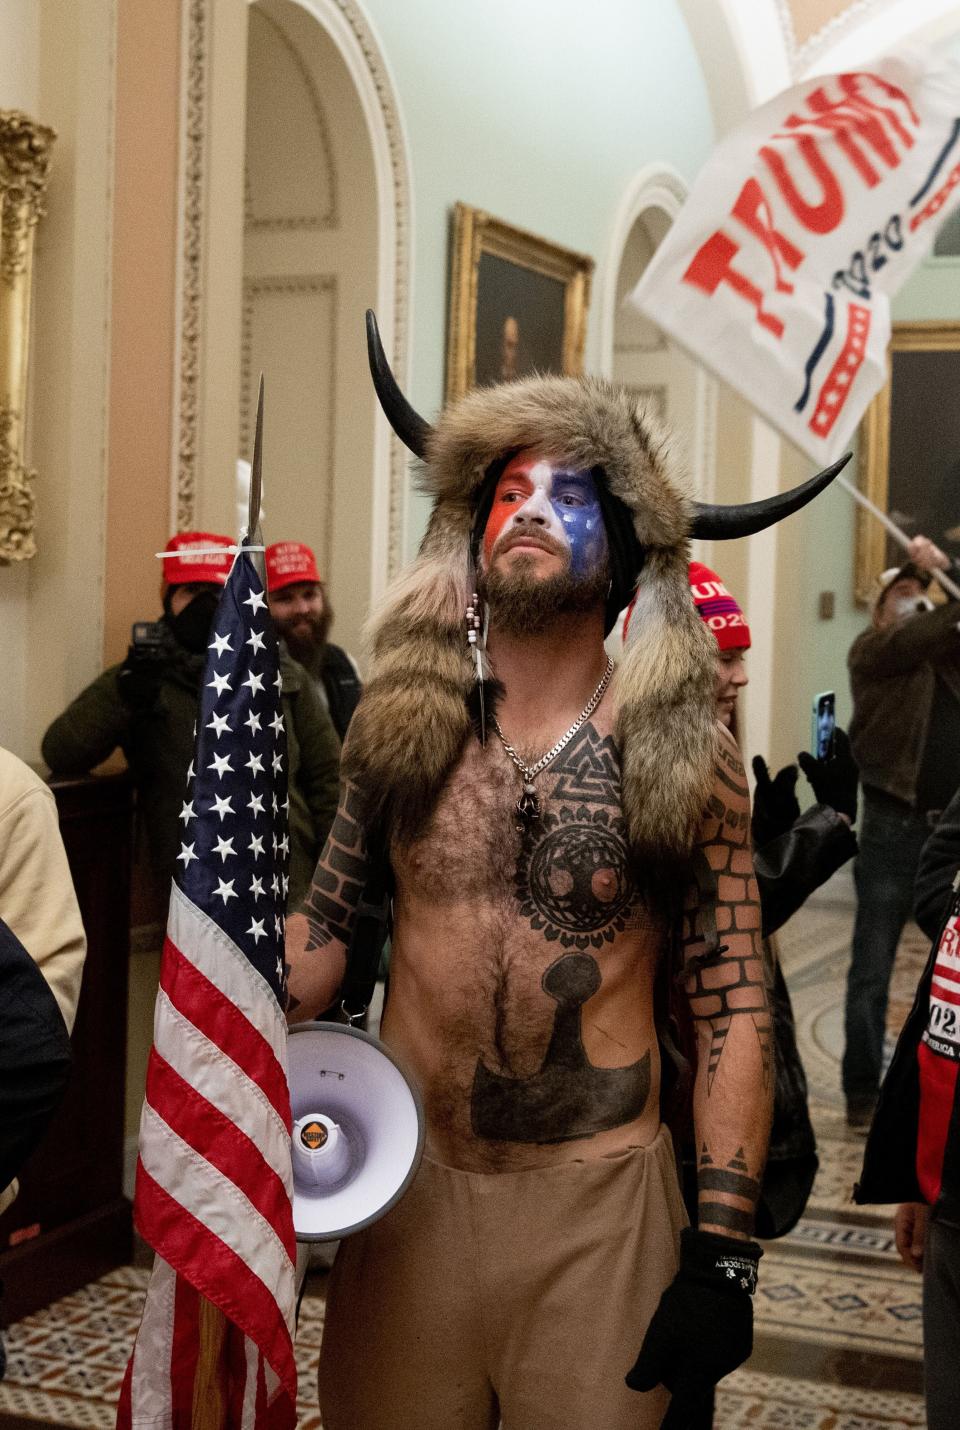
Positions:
{"x": 214, "y": 1186}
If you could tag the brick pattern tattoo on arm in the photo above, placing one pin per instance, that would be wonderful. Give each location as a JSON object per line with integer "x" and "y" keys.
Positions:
{"x": 338, "y": 879}
{"x": 722, "y": 956}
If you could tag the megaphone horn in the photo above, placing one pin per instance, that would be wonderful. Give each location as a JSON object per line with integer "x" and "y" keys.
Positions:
{"x": 358, "y": 1130}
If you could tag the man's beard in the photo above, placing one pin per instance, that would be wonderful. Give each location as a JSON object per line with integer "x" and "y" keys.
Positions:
{"x": 307, "y": 646}
{"x": 521, "y": 603}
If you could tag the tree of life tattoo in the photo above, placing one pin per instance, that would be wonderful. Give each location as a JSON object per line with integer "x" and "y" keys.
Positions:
{"x": 723, "y": 964}
{"x": 573, "y": 880}
{"x": 338, "y": 882}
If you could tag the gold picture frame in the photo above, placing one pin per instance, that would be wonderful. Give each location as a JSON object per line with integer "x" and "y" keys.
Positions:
{"x": 912, "y": 472}
{"x": 518, "y": 304}
{"x": 25, "y": 149}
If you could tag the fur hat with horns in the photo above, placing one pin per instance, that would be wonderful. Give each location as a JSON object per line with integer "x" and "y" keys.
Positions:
{"x": 411, "y": 726}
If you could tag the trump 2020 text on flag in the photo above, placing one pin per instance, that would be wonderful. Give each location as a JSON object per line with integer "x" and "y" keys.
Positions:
{"x": 214, "y": 1185}
{"x": 806, "y": 219}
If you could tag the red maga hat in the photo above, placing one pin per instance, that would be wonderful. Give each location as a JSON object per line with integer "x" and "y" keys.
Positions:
{"x": 195, "y": 560}
{"x": 718, "y": 609}
{"x": 290, "y": 561}
{"x": 715, "y": 607}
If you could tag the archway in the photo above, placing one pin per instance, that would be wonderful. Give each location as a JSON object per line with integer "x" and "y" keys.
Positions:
{"x": 313, "y": 260}
{"x": 635, "y": 351}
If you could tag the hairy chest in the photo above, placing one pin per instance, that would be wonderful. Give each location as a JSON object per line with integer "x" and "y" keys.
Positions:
{"x": 565, "y": 875}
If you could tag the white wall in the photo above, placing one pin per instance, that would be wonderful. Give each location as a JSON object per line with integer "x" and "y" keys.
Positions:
{"x": 19, "y": 54}
{"x": 51, "y": 608}
{"x": 541, "y": 113}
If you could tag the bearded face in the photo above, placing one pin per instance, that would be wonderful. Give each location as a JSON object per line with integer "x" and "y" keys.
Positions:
{"x": 302, "y": 617}
{"x": 545, "y": 550}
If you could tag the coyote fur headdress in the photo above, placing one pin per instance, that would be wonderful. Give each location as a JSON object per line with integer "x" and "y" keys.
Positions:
{"x": 414, "y": 719}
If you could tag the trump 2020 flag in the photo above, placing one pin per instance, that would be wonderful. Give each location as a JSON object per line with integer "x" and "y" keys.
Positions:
{"x": 806, "y": 219}
{"x": 214, "y": 1183}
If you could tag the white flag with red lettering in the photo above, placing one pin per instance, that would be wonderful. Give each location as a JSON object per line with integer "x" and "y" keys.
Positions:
{"x": 779, "y": 270}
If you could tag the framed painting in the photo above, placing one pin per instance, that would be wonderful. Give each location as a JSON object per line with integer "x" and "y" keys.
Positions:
{"x": 518, "y": 304}
{"x": 25, "y": 148}
{"x": 910, "y": 449}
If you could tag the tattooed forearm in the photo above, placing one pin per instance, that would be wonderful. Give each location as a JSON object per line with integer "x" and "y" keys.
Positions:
{"x": 723, "y": 978}
{"x": 318, "y": 934}
{"x": 728, "y": 1195}
{"x": 719, "y": 991}
{"x": 718, "y": 1214}
{"x": 736, "y": 1184}
{"x": 723, "y": 965}
{"x": 338, "y": 880}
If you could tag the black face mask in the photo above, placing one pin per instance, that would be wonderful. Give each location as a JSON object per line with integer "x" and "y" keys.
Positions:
{"x": 191, "y": 628}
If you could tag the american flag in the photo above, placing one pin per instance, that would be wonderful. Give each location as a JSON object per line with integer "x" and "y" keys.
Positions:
{"x": 214, "y": 1184}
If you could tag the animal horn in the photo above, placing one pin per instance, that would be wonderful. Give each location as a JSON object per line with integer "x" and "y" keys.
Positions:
{"x": 722, "y": 523}
{"x": 409, "y": 426}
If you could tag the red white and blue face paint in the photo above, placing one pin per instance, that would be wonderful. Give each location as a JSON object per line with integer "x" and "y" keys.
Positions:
{"x": 552, "y": 506}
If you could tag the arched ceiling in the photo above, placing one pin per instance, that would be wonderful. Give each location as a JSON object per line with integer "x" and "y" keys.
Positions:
{"x": 751, "y": 52}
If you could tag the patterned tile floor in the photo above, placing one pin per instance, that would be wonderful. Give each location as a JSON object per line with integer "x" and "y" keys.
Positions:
{"x": 838, "y": 1334}
{"x": 838, "y": 1341}
{"x": 66, "y": 1364}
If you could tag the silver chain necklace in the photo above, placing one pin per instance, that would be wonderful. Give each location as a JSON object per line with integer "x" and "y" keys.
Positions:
{"x": 528, "y": 805}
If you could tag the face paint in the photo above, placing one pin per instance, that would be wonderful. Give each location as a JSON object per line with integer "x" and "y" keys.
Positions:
{"x": 555, "y": 507}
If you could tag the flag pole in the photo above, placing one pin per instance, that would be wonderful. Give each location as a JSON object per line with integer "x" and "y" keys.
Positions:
{"x": 899, "y": 536}
{"x": 209, "y": 1408}
{"x": 254, "y": 536}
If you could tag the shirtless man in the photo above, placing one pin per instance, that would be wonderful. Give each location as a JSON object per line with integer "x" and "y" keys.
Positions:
{"x": 522, "y": 1271}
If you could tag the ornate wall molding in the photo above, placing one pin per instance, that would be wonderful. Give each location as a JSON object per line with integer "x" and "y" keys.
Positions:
{"x": 25, "y": 148}
{"x": 254, "y": 288}
{"x": 347, "y": 25}
{"x": 658, "y": 186}
{"x": 24, "y": 174}
{"x": 186, "y": 402}
{"x": 803, "y": 53}
{"x": 17, "y": 502}
{"x": 287, "y": 223}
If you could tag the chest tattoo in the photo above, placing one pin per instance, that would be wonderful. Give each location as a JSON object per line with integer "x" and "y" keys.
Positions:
{"x": 573, "y": 880}
{"x": 588, "y": 770}
{"x": 568, "y": 1097}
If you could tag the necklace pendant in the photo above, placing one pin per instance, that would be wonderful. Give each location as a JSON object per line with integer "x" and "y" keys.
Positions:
{"x": 528, "y": 805}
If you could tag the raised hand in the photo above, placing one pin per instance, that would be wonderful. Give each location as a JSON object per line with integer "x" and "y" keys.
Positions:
{"x": 775, "y": 806}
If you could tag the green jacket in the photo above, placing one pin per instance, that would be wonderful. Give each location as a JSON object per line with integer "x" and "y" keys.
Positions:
{"x": 158, "y": 745}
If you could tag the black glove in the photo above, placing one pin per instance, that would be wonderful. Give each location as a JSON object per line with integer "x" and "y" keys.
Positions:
{"x": 775, "y": 806}
{"x": 834, "y": 780}
{"x": 703, "y": 1326}
{"x": 138, "y": 679}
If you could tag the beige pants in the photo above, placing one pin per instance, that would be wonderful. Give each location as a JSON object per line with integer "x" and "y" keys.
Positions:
{"x": 521, "y": 1295}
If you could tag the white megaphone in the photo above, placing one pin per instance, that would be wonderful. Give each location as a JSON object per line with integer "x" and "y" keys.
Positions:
{"x": 357, "y": 1130}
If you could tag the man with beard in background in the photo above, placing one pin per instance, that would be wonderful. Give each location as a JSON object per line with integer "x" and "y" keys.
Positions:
{"x": 905, "y": 737}
{"x": 148, "y": 706}
{"x": 302, "y": 615}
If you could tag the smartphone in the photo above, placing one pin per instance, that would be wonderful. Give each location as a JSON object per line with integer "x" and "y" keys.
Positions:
{"x": 824, "y": 721}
